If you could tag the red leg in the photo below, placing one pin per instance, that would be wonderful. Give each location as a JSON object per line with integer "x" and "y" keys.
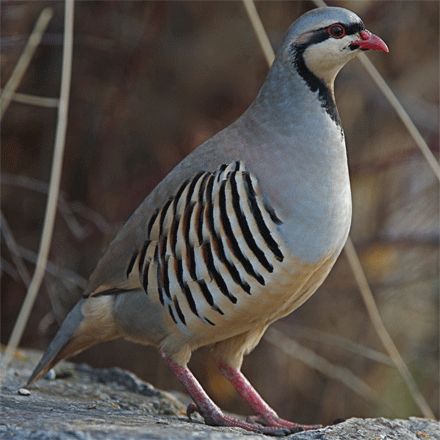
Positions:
{"x": 265, "y": 414}
{"x": 208, "y": 409}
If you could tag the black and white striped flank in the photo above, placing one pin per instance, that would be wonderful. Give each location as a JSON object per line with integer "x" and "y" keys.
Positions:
{"x": 214, "y": 239}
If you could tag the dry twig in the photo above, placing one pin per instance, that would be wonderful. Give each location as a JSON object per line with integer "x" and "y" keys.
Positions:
{"x": 8, "y": 268}
{"x": 39, "y": 101}
{"x": 24, "y": 60}
{"x": 67, "y": 209}
{"x": 340, "y": 342}
{"x": 13, "y": 249}
{"x": 384, "y": 336}
{"x": 68, "y": 277}
{"x": 52, "y": 200}
{"x": 293, "y": 349}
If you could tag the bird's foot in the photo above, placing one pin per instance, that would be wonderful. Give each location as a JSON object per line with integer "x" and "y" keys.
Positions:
{"x": 219, "y": 419}
{"x": 274, "y": 421}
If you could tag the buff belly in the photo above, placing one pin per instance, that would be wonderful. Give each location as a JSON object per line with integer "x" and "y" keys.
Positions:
{"x": 290, "y": 285}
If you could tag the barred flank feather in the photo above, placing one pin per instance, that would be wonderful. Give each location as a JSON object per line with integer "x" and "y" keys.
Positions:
{"x": 217, "y": 235}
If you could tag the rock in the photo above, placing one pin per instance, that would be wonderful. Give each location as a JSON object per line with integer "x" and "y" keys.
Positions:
{"x": 100, "y": 404}
{"x": 24, "y": 392}
{"x": 376, "y": 429}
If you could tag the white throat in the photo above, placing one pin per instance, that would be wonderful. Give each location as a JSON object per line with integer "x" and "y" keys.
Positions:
{"x": 326, "y": 59}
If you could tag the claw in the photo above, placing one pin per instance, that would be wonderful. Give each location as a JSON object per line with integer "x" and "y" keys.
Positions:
{"x": 191, "y": 409}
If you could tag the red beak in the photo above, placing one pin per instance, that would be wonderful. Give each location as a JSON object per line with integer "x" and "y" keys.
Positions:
{"x": 369, "y": 41}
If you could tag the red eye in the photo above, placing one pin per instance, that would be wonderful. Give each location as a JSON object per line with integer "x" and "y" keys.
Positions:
{"x": 336, "y": 30}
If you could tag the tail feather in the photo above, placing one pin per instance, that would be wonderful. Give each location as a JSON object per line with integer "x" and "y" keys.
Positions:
{"x": 88, "y": 323}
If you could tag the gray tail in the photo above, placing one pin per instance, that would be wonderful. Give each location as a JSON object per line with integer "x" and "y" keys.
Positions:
{"x": 77, "y": 333}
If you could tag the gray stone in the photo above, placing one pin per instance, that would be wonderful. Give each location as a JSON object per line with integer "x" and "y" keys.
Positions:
{"x": 84, "y": 403}
{"x": 24, "y": 392}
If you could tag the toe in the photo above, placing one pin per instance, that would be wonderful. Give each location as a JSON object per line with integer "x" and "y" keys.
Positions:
{"x": 191, "y": 409}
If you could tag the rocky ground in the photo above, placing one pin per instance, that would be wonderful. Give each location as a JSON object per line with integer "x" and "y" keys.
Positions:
{"x": 80, "y": 402}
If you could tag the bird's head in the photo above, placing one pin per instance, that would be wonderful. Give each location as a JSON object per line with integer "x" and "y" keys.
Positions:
{"x": 323, "y": 40}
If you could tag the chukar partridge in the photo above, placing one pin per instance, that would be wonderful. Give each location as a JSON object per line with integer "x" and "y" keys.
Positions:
{"x": 240, "y": 233}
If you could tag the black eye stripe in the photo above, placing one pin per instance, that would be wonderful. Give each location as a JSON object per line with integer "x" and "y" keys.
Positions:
{"x": 354, "y": 28}
{"x": 350, "y": 29}
{"x": 319, "y": 35}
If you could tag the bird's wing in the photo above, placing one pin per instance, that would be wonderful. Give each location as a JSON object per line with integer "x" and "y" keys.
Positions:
{"x": 216, "y": 238}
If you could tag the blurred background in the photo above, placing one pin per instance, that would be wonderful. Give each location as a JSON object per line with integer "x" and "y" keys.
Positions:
{"x": 152, "y": 80}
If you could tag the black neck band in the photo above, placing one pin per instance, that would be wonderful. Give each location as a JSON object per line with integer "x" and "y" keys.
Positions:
{"x": 313, "y": 82}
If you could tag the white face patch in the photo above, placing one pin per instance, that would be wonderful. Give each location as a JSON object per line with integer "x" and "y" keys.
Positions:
{"x": 326, "y": 59}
